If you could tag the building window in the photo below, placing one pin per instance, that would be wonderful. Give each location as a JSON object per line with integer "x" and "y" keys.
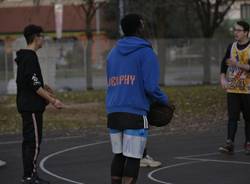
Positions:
{"x": 245, "y": 11}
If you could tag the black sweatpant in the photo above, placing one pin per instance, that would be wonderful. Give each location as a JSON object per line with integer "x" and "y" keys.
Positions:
{"x": 32, "y": 137}
{"x": 238, "y": 103}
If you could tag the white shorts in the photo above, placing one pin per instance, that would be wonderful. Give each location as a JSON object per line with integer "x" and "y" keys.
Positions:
{"x": 129, "y": 142}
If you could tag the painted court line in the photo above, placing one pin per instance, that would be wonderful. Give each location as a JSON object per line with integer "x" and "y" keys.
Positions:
{"x": 206, "y": 154}
{"x": 63, "y": 151}
{"x": 193, "y": 160}
{"x": 42, "y": 163}
{"x": 168, "y": 167}
{"x": 192, "y": 157}
{"x": 214, "y": 160}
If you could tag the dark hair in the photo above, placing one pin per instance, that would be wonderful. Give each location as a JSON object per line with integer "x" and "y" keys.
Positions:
{"x": 244, "y": 25}
{"x": 31, "y": 31}
{"x": 131, "y": 23}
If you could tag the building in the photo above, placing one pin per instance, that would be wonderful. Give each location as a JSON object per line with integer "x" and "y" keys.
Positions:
{"x": 15, "y": 14}
{"x": 240, "y": 10}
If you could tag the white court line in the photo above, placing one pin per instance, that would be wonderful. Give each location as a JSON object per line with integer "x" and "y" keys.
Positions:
{"x": 168, "y": 167}
{"x": 63, "y": 151}
{"x": 42, "y": 163}
{"x": 193, "y": 160}
{"x": 189, "y": 157}
{"x": 206, "y": 154}
{"x": 214, "y": 160}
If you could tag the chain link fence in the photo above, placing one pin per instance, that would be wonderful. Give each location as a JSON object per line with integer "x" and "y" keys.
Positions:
{"x": 63, "y": 63}
{"x": 193, "y": 61}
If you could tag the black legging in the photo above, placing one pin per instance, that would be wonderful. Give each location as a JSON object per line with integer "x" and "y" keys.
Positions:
{"x": 144, "y": 153}
{"x": 123, "y": 166}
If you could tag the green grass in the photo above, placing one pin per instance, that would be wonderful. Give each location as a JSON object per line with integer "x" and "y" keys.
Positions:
{"x": 197, "y": 107}
{"x": 82, "y": 97}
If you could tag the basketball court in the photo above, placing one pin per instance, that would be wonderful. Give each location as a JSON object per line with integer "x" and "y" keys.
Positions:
{"x": 187, "y": 159}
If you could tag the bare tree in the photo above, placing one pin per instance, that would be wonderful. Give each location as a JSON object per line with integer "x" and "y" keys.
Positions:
{"x": 89, "y": 8}
{"x": 211, "y": 14}
{"x": 200, "y": 18}
{"x": 155, "y": 13}
{"x": 36, "y": 2}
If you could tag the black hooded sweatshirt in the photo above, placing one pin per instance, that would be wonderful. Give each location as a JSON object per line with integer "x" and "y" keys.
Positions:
{"x": 29, "y": 80}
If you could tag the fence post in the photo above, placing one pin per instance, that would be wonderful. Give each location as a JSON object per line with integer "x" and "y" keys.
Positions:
{"x": 207, "y": 62}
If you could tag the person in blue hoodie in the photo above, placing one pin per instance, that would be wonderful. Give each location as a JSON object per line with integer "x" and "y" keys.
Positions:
{"x": 132, "y": 79}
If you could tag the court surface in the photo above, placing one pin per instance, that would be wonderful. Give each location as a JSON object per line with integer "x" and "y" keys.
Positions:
{"x": 190, "y": 158}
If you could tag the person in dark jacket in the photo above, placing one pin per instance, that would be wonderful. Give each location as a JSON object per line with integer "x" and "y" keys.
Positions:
{"x": 132, "y": 77}
{"x": 32, "y": 97}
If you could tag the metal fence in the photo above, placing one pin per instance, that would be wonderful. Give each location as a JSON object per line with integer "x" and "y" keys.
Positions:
{"x": 193, "y": 61}
{"x": 182, "y": 62}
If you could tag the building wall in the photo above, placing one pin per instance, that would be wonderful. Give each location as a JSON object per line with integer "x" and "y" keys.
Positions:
{"x": 235, "y": 12}
{"x": 23, "y": 3}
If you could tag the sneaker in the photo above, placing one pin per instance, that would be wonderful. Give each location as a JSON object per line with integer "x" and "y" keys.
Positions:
{"x": 2, "y": 163}
{"x": 247, "y": 148}
{"x": 149, "y": 162}
{"x": 34, "y": 180}
{"x": 39, "y": 180}
{"x": 27, "y": 180}
{"x": 228, "y": 148}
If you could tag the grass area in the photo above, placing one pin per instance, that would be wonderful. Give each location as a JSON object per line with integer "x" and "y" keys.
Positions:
{"x": 78, "y": 72}
{"x": 197, "y": 107}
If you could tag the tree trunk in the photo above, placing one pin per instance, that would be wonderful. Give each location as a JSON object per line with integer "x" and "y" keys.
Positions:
{"x": 89, "y": 76}
{"x": 162, "y": 59}
{"x": 206, "y": 62}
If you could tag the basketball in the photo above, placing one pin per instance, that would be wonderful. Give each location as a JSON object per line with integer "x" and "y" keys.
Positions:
{"x": 160, "y": 115}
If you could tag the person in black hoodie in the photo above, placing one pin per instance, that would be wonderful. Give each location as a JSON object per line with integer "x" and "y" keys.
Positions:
{"x": 32, "y": 97}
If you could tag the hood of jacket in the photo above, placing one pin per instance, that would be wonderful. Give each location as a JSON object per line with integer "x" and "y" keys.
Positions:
{"x": 131, "y": 44}
{"x": 21, "y": 54}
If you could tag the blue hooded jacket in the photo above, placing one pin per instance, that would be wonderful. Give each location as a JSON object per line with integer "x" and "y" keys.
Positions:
{"x": 132, "y": 77}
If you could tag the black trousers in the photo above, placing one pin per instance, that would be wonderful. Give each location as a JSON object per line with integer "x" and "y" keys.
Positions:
{"x": 236, "y": 104}
{"x": 32, "y": 137}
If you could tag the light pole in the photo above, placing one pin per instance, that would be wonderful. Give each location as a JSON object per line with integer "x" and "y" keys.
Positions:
{"x": 121, "y": 14}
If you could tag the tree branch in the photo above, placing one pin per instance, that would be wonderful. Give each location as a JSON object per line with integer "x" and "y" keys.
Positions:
{"x": 210, "y": 14}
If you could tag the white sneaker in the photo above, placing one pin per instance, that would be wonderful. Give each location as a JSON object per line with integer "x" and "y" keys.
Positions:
{"x": 2, "y": 163}
{"x": 149, "y": 162}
